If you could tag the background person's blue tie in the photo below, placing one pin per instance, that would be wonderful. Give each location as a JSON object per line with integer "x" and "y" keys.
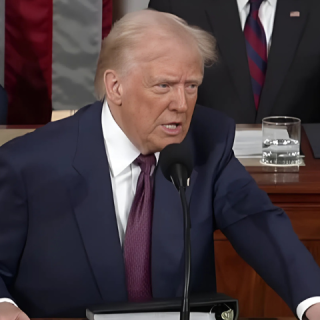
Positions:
{"x": 137, "y": 243}
{"x": 256, "y": 44}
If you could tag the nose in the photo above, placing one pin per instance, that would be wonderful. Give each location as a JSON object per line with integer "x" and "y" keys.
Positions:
{"x": 179, "y": 100}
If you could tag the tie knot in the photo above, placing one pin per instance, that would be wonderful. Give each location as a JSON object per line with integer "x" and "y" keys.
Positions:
{"x": 146, "y": 162}
{"x": 255, "y": 5}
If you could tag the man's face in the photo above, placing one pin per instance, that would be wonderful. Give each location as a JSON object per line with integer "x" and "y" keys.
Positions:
{"x": 159, "y": 94}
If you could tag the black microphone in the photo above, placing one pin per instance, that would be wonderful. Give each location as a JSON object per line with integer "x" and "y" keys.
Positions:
{"x": 176, "y": 163}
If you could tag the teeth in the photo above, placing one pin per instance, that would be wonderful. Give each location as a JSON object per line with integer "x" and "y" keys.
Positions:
{"x": 171, "y": 126}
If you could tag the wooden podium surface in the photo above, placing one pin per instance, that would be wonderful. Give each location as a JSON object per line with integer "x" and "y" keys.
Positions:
{"x": 298, "y": 194}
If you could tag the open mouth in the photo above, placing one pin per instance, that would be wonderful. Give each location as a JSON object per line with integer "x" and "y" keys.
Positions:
{"x": 173, "y": 128}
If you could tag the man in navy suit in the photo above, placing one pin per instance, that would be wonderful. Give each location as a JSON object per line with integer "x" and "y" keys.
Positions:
{"x": 3, "y": 106}
{"x": 66, "y": 190}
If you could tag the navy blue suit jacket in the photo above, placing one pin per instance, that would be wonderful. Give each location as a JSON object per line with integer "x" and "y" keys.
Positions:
{"x": 59, "y": 242}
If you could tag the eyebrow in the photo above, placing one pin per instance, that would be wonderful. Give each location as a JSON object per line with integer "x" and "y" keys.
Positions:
{"x": 173, "y": 80}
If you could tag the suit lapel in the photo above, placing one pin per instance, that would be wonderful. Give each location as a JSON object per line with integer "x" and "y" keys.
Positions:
{"x": 286, "y": 36}
{"x": 92, "y": 199}
{"x": 223, "y": 16}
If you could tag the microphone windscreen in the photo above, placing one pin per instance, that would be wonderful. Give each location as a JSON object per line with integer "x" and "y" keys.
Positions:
{"x": 176, "y": 153}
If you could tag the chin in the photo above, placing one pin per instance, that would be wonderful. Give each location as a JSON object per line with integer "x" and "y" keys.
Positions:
{"x": 170, "y": 141}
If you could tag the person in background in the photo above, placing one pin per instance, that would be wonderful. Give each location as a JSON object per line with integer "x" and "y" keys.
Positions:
{"x": 86, "y": 215}
{"x": 269, "y": 56}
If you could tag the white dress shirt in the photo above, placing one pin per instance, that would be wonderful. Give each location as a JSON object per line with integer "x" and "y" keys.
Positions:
{"x": 267, "y": 14}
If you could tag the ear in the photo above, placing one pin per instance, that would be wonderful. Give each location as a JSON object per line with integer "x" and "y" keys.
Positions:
{"x": 113, "y": 87}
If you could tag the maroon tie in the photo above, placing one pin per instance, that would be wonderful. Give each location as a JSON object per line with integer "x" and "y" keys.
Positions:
{"x": 137, "y": 243}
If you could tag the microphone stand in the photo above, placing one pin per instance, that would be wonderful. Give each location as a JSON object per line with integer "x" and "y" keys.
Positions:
{"x": 185, "y": 310}
{"x": 179, "y": 177}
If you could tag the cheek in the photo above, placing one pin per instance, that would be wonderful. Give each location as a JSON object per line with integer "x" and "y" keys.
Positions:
{"x": 154, "y": 114}
{"x": 191, "y": 110}
{"x": 193, "y": 100}
{"x": 141, "y": 122}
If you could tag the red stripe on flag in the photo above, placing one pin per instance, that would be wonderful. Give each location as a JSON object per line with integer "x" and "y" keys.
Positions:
{"x": 106, "y": 17}
{"x": 28, "y": 60}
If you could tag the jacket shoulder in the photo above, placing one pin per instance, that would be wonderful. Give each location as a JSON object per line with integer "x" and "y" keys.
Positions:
{"x": 44, "y": 142}
{"x": 212, "y": 133}
{"x": 210, "y": 121}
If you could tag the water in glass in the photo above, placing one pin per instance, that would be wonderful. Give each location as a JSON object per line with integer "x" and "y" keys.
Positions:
{"x": 281, "y": 151}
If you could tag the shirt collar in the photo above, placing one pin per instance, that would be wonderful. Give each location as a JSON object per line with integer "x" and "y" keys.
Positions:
{"x": 120, "y": 150}
{"x": 243, "y": 3}
{"x": 273, "y": 3}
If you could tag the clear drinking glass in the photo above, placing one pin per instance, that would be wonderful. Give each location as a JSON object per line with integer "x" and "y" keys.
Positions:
{"x": 281, "y": 141}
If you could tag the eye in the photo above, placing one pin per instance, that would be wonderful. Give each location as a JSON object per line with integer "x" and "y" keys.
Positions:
{"x": 192, "y": 86}
{"x": 163, "y": 86}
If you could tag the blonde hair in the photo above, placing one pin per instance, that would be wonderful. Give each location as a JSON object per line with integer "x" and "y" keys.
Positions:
{"x": 126, "y": 34}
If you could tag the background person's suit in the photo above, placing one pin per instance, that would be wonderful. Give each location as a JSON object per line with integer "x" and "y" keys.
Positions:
{"x": 292, "y": 86}
{"x": 59, "y": 241}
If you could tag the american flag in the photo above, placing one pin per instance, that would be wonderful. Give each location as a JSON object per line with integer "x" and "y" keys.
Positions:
{"x": 48, "y": 54}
